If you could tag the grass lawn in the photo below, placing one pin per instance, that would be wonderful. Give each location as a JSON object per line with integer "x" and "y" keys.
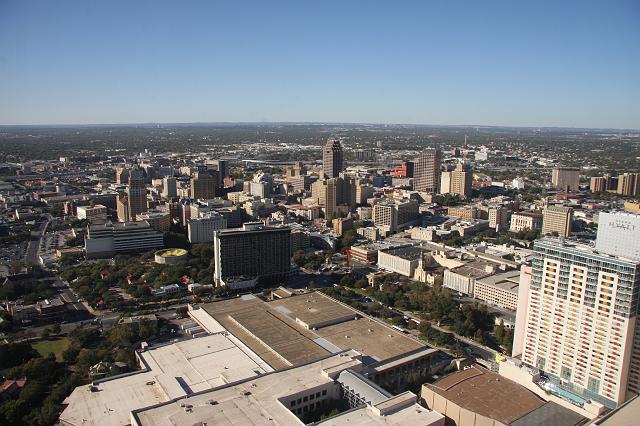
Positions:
{"x": 56, "y": 345}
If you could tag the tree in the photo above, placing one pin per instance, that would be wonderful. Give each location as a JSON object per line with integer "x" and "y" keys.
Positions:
{"x": 347, "y": 281}
{"x": 56, "y": 329}
{"x": 182, "y": 311}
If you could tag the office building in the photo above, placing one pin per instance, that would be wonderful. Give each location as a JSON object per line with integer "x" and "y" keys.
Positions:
{"x": 201, "y": 229}
{"x": 122, "y": 208}
{"x": 391, "y": 216}
{"x": 341, "y": 225}
{"x": 363, "y": 193}
{"x": 169, "y": 187}
{"x": 619, "y": 234}
{"x": 332, "y": 158}
{"x": 457, "y": 182}
{"x": 524, "y": 221}
{"x": 158, "y": 220}
{"x": 122, "y": 175}
{"x": 105, "y": 240}
{"x": 136, "y": 194}
{"x": 499, "y": 290}
{"x": 464, "y": 212}
{"x": 426, "y": 171}
{"x": 336, "y": 195}
{"x": 205, "y": 185}
{"x": 580, "y": 322}
{"x": 93, "y": 213}
{"x": 445, "y": 182}
{"x": 254, "y": 252}
{"x": 499, "y": 218}
{"x": 404, "y": 170}
{"x": 566, "y": 178}
{"x": 557, "y": 220}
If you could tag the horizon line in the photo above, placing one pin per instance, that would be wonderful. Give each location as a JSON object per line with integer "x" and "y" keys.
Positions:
{"x": 316, "y": 123}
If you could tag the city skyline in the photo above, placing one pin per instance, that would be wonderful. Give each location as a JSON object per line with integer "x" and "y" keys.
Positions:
{"x": 509, "y": 65}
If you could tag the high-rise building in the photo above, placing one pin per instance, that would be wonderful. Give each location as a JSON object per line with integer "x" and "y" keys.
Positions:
{"x": 619, "y": 234}
{"x": 136, "y": 195}
{"x": 445, "y": 182}
{"x": 122, "y": 208}
{"x": 629, "y": 184}
{"x": 334, "y": 193}
{"x": 579, "y": 325}
{"x": 169, "y": 187}
{"x": 458, "y": 181}
{"x": 122, "y": 175}
{"x": 557, "y": 220}
{"x": 566, "y": 178}
{"x": 223, "y": 168}
{"x": 426, "y": 171}
{"x": 332, "y": 158}
{"x": 204, "y": 185}
{"x": 392, "y": 215}
{"x": 499, "y": 218}
{"x": 243, "y": 256}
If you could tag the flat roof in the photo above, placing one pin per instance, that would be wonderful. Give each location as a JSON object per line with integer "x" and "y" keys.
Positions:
{"x": 270, "y": 329}
{"x": 257, "y": 401}
{"x": 233, "y": 407}
{"x": 507, "y": 281}
{"x": 475, "y": 268}
{"x": 313, "y": 308}
{"x": 488, "y": 394}
{"x": 407, "y": 253}
{"x": 172, "y": 371}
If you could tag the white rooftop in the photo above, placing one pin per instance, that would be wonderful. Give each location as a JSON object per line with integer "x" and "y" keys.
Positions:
{"x": 172, "y": 371}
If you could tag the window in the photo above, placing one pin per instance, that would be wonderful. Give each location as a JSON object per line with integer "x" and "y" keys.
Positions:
{"x": 324, "y": 392}
{"x": 292, "y": 403}
{"x": 312, "y": 397}
{"x": 305, "y": 399}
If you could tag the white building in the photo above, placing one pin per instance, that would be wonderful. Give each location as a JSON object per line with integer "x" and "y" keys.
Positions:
{"x": 580, "y": 322}
{"x": 104, "y": 240}
{"x": 523, "y": 221}
{"x": 619, "y": 234}
{"x": 517, "y": 183}
{"x": 201, "y": 229}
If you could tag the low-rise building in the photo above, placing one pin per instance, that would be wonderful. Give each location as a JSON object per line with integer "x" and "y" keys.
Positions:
{"x": 478, "y": 397}
{"x": 93, "y": 213}
{"x": 523, "y": 221}
{"x": 104, "y": 240}
{"x": 500, "y": 289}
{"x": 160, "y": 221}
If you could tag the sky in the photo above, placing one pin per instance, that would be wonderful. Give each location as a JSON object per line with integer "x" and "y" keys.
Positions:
{"x": 511, "y": 63}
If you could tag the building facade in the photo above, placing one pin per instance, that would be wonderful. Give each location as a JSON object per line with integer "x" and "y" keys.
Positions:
{"x": 523, "y": 221}
{"x": 580, "y": 320}
{"x": 557, "y": 220}
{"x": 566, "y": 178}
{"x": 332, "y": 158}
{"x": 426, "y": 171}
{"x": 253, "y": 251}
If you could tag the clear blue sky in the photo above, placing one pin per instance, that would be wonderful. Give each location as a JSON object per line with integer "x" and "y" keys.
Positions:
{"x": 536, "y": 63}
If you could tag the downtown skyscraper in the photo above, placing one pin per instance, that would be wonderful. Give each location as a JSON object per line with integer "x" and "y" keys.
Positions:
{"x": 332, "y": 158}
{"x": 426, "y": 171}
